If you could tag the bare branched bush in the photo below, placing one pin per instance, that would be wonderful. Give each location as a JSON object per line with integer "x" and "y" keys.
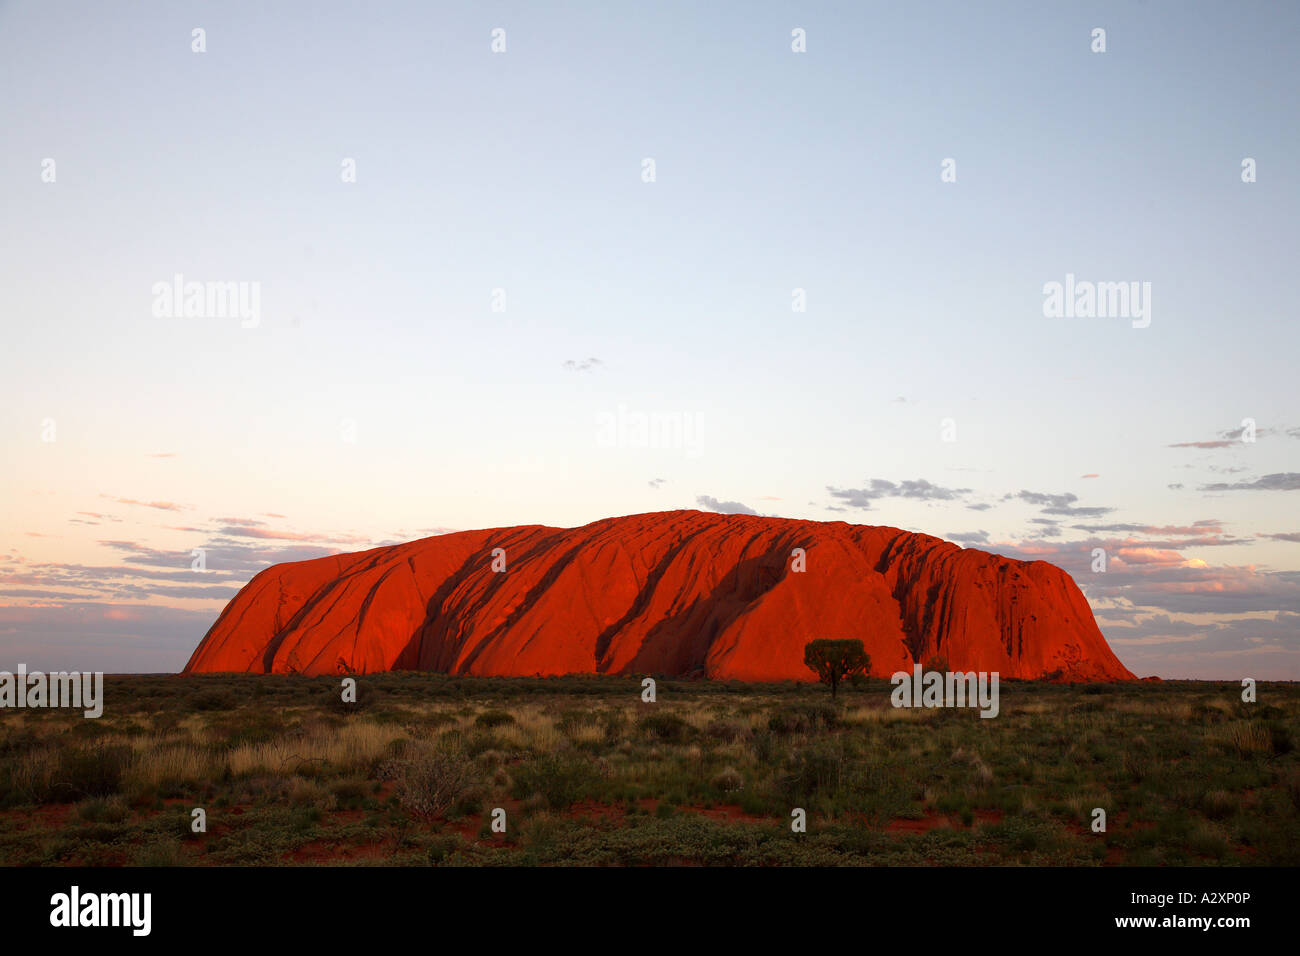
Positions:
{"x": 431, "y": 780}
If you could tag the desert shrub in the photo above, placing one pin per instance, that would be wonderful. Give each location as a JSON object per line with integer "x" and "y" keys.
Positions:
{"x": 1244, "y": 738}
{"x": 441, "y": 847}
{"x": 256, "y": 728}
{"x": 94, "y": 771}
{"x": 980, "y": 770}
{"x": 1280, "y": 738}
{"x": 1206, "y": 841}
{"x": 1218, "y": 804}
{"x": 25, "y": 777}
{"x": 307, "y": 793}
{"x": 103, "y": 810}
{"x": 666, "y": 727}
{"x": 213, "y": 700}
{"x": 570, "y": 721}
{"x": 813, "y": 770}
{"x": 803, "y": 718}
{"x": 729, "y": 780}
{"x": 765, "y": 746}
{"x": 493, "y": 718}
{"x": 397, "y": 747}
{"x": 726, "y": 731}
{"x": 430, "y": 780}
{"x": 163, "y": 852}
{"x": 558, "y": 779}
{"x": 470, "y": 801}
{"x": 613, "y": 721}
{"x": 367, "y": 697}
{"x": 350, "y": 794}
{"x": 480, "y": 742}
{"x": 1208, "y": 713}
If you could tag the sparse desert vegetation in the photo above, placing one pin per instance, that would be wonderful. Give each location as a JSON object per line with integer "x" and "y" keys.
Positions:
{"x": 589, "y": 774}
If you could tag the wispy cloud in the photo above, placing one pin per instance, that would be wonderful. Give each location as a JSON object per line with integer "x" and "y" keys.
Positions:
{"x": 710, "y": 503}
{"x": 877, "y": 488}
{"x": 1226, "y": 438}
{"x": 160, "y": 505}
{"x": 1280, "y": 481}
{"x": 1062, "y": 504}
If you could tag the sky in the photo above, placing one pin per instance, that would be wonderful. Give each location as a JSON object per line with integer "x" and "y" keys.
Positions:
{"x": 640, "y": 258}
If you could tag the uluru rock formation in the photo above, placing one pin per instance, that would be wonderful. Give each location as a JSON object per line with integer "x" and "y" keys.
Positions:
{"x": 683, "y": 593}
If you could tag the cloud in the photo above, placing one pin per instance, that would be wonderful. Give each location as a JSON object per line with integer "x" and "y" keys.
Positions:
{"x": 1207, "y": 647}
{"x": 724, "y": 507}
{"x": 917, "y": 489}
{"x": 145, "y": 573}
{"x": 101, "y": 636}
{"x": 979, "y": 507}
{"x": 1156, "y": 575}
{"x": 221, "y": 554}
{"x": 1225, "y": 439}
{"x": 1280, "y": 481}
{"x": 1293, "y": 536}
{"x": 970, "y": 538}
{"x": 270, "y": 534}
{"x": 1062, "y": 504}
{"x": 1092, "y": 474}
{"x": 176, "y": 580}
{"x": 656, "y": 483}
{"x": 252, "y": 528}
{"x": 582, "y": 365}
{"x": 1205, "y": 533}
{"x": 160, "y": 505}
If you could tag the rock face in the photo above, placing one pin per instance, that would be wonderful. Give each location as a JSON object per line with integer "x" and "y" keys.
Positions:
{"x": 682, "y": 593}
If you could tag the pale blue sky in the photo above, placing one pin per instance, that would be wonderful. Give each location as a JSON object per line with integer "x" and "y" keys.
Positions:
{"x": 775, "y": 170}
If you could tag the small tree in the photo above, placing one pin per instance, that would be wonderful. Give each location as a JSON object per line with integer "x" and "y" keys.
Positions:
{"x": 833, "y": 661}
{"x": 937, "y": 663}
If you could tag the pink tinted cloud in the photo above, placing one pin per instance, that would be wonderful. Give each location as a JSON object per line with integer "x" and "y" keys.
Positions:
{"x": 160, "y": 505}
